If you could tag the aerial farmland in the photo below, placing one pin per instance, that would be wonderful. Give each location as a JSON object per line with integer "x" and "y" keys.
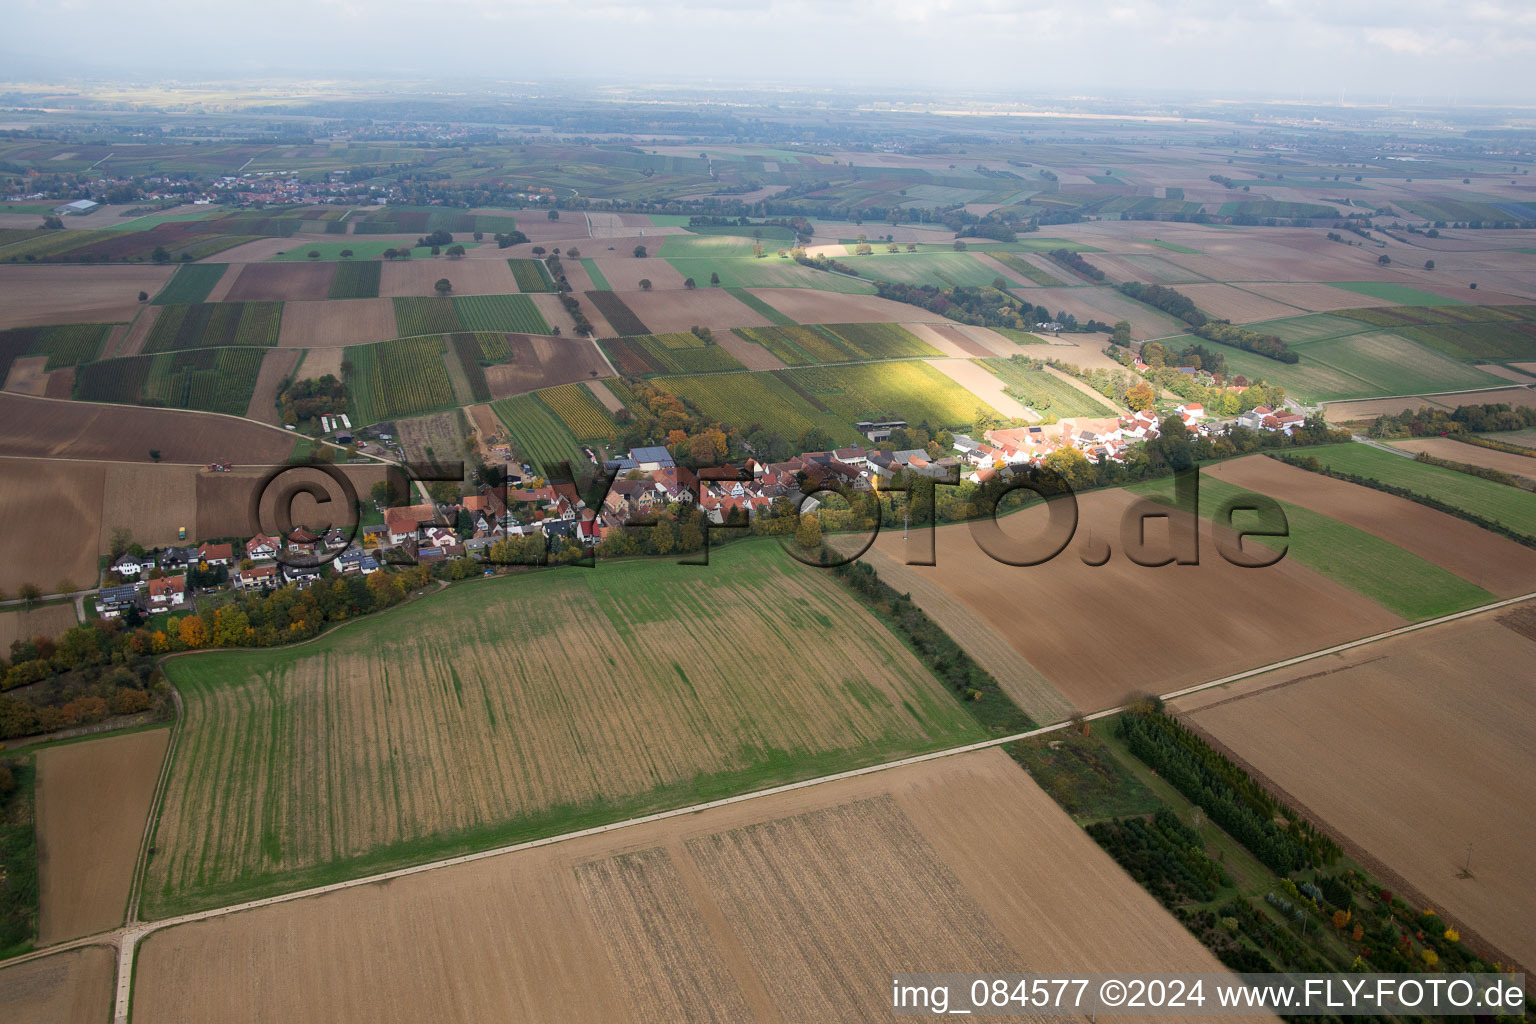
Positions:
{"x": 696, "y": 553}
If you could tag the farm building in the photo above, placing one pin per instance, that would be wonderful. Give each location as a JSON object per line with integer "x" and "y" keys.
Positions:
{"x": 78, "y": 206}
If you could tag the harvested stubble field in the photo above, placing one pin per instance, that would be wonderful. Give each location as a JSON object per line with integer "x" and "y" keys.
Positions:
{"x": 794, "y": 907}
{"x": 453, "y": 723}
{"x": 336, "y": 323}
{"x": 74, "y": 987}
{"x": 78, "y": 430}
{"x": 71, "y": 295}
{"x": 539, "y": 361}
{"x": 46, "y": 620}
{"x": 1045, "y": 611}
{"x": 282, "y": 281}
{"x": 92, "y": 802}
{"x": 715, "y": 308}
{"x": 1497, "y": 565}
{"x": 469, "y": 277}
{"x": 1410, "y": 749}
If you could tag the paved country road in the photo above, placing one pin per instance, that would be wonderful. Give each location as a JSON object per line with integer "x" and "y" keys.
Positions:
{"x": 126, "y": 938}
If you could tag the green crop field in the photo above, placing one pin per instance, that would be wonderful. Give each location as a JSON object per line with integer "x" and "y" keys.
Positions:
{"x": 712, "y": 246}
{"x": 208, "y": 379}
{"x": 598, "y": 280}
{"x": 758, "y": 400}
{"x": 531, "y": 275}
{"x": 1342, "y": 358}
{"x": 1399, "y": 581}
{"x": 356, "y": 280}
{"x": 1174, "y": 246}
{"x": 1471, "y": 333}
{"x": 1027, "y": 270}
{"x": 512, "y": 313}
{"x": 940, "y": 269}
{"x": 751, "y": 301}
{"x": 1045, "y": 392}
{"x": 580, "y": 411}
{"x": 303, "y": 765}
{"x": 1396, "y": 293}
{"x": 404, "y": 377}
{"x": 768, "y": 272}
{"x": 912, "y": 391}
{"x": 215, "y": 325}
{"x": 434, "y": 315}
{"x": 191, "y": 283}
{"x": 1275, "y": 208}
{"x": 1511, "y": 506}
{"x": 538, "y": 434}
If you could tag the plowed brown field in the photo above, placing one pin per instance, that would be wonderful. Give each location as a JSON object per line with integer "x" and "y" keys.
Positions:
{"x": 67, "y": 988}
{"x": 62, "y": 294}
{"x": 1412, "y": 749}
{"x": 715, "y": 308}
{"x": 333, "y": 323}
{"x": 282, "y": 281}
{"x": 92, "y": 803}
{"x": 79, "y": 430}
{"x": 469, "y": 277}
{"x": 1086, "y": 629}
{"x": 792, "y": 908}
{"x": 541, "y": 361}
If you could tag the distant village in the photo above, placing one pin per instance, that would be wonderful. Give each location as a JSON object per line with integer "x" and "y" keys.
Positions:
{"x": 646, "y": 481}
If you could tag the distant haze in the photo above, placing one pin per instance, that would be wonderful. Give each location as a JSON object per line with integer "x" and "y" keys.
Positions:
{"x": 1316, "y": 49}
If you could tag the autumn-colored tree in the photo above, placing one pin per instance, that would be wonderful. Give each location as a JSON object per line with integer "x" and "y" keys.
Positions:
{"x": 808, "y": 532}
{"x": 676, "y": 437}
{"x": 661, "y": 536}
{"x": 1358, "y": 933}
{"x": 192, "y": 632}
{"x": 159, "y": 643}
{"x": 1430, "y": 957}
{"x": 1340, "y": 919}
{"x": 1141, "y": 396}
{"x": 129, "y": 701}
{"x": 1071, "y": 464}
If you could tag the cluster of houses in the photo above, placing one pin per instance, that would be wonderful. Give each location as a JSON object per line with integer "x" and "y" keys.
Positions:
{"x": 646, "y": 481}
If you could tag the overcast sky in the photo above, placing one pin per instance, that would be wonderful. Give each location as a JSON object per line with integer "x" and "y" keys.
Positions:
{"x": 1286, "y": 48}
